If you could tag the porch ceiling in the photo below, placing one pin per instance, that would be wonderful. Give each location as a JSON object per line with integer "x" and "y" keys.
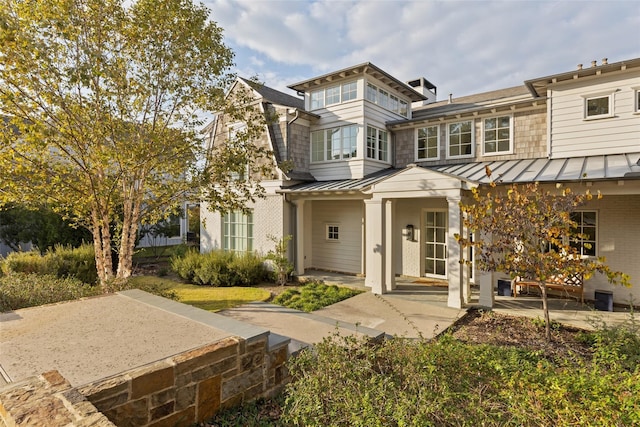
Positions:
{"x": 587, "y": 168}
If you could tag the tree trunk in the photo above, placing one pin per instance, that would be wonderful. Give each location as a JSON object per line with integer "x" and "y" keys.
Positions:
{"x": 545, "y": 310}
{"x": 130, "y": 221}
{"x": 102, "y": 248}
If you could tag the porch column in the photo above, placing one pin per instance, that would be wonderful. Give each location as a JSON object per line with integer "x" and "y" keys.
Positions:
{"x": 374, "y": 246}
{"x": 454, "y": 267}
{"x": 299, "y": 261}
{"x": 389, "y": 269}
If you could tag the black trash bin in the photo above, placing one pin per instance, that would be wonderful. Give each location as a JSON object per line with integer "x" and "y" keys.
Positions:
{"x": 504, "y": 288}
{"x": 604, "y": 300}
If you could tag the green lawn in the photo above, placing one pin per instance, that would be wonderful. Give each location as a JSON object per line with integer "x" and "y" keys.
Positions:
{"x": 205, "y": 297}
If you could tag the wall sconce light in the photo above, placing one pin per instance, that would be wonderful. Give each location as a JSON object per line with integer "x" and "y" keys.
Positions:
{"x": 410, "y": 232}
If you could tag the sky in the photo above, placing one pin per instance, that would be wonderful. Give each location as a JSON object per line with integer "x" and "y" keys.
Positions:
{"x": 462, "y": 47}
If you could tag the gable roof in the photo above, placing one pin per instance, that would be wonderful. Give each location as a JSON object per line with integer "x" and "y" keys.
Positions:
{"x": 365, "y": 68}
{"x": 274, "y": 96}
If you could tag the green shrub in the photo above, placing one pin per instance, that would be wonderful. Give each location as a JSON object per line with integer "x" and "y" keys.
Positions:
{"x": 61, "y": 261}
{"x": 20, "y": 290}
{"x": 616, "y": 346}
{"x": 219, "y": 268}
{"x": 347, "y": 381}
{"x": 313, "y": 296}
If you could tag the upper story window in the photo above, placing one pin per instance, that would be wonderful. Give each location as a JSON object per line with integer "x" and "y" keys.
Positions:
{"x": 377, "y": 144}
{"x": 338, "y": 143}
{"x": 387, "y": 101}
{"x": 333, "y": 95}
{"x": 598, "y": 106}
{"x": 497, "y": 135}
{"x": 460, "y": 139}
{"x": 427, "y": 147}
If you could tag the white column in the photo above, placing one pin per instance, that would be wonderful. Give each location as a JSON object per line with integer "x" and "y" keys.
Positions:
{"x": 374, "y": 246}
{"x": 299, "y": 237}
{"x": 454, "y": 267}
{"x": 389, "y": 268}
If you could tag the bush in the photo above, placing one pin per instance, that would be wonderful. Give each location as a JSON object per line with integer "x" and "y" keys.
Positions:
{"x": 62, "y": 261}
{"x": 313, "y": 296}
{"x": 20, "y": 290}
{"x": 219, "y": 268}
{"x": 347, "y": 381}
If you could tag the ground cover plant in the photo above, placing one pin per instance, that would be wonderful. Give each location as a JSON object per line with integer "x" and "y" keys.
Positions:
{"x": 314, "y": 295}
{"x": 477, "y": 373}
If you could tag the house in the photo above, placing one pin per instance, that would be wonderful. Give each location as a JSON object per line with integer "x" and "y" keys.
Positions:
{"x": 378, "y": 167}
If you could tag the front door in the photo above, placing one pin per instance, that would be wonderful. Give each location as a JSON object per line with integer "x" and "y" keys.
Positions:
{"x": 435, "y": 241}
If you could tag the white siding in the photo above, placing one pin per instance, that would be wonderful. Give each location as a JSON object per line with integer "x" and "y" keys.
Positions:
{"x": 572, "y": 135}
{"x": 344, "y": 255}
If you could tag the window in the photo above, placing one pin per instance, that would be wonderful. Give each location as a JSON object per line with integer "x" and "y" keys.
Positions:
{"x": 377, "y": 144}
{"x": 237, "y": 231}
{"x": 586, "y": 225}
{"x": 598, "y": 106}
{"x": 497, "y": 135}
{"x": 334, "y": 144}
{"x": 349, "y": 91}
{"x": 317, "y": 99}
{"x": 332, "y": 95}
{"x": 333, "y": 232}
{"x": 427, "y": 147}
{"x": 637, "y": 101}
{"x": 460, "y": 139}
{"x": 387, "y": 101}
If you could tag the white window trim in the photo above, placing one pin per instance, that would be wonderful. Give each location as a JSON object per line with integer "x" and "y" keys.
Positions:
{"x": 498, "y": 153}
{"x": 473, "y": 140}
{"x": 377, "y": 146}
{"x": 595, "y": 249}
{"x": 636, "y": 99}
{"x": 381, "y": 94}
{"x": 586, "y": 99}
{"x": 327, "y": 233}
{"x": 424, "y": 159}
{"x": 324, "y": 143}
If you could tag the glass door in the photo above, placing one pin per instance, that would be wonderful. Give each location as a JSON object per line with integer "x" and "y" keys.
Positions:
{"x": 435, "y": 241}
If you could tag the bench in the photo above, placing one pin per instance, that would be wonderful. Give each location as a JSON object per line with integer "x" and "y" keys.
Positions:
{"x": 571, "y": 284}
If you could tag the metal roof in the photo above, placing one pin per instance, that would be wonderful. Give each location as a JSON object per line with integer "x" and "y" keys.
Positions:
{"x": 342, "y": 185}
{"x": 612, "y": 166}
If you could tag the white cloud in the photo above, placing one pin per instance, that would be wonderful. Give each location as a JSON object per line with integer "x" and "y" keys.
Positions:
{"x": 462, "y": 47}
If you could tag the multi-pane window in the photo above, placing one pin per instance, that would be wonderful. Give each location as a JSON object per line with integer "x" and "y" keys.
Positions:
{"x": 599, "y": 106}
{"x": 386, "y": 100}
{"x": 332, "y": 95}
{"x": 349, "y": 91}
{"x": 637, "y": 101}
{"x": 377, "y": 144}
{"x": 586, "y": 226}
{"x": 460, "y": 139}
{"x": 237, "y": 231}
{"x": 333, "y": 232}
{"x": 334, "y": 144}
{"x": 317, "y": 99}
{"x": 497, "y": 135}
{"x": 427, "y": 147}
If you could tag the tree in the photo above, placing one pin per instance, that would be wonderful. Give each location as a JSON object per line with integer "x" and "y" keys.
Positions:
{"x": 102, "y": 104}
{"x": 42, "y": 227}
{"x": 526, "y": 231}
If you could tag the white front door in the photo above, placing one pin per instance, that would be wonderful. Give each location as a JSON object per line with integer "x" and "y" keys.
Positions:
{"x": 435, "y": 243}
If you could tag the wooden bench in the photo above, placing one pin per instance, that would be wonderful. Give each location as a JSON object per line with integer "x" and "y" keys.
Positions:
{"x": 571, "y": 284}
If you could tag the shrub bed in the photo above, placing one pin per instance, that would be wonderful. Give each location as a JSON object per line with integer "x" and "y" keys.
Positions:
{"x": 220, "y": 268}
{"x": 314, "y": 295}
{"x": 20, "y": 290}
{"x": 62, "y": 261}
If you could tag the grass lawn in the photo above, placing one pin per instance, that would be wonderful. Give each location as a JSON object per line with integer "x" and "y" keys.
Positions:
{"x": 204, "y": 297}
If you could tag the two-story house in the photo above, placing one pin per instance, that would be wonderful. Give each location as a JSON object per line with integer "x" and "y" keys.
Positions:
{"x": 380, "y": 167}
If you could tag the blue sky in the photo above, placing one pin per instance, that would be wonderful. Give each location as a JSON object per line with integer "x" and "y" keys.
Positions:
{"x": 463, "y": 47}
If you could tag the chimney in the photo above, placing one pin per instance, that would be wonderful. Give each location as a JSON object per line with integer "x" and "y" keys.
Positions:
{"x": 605, "y": 61}
{"x": 579, "y": 66}
{"x": 594, "y": 63}
{"x": 426, "y": 88}
{"x": 450, "y": 98}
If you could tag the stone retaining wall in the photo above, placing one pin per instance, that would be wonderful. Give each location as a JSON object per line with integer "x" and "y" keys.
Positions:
{"x": 177, "y": 391}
